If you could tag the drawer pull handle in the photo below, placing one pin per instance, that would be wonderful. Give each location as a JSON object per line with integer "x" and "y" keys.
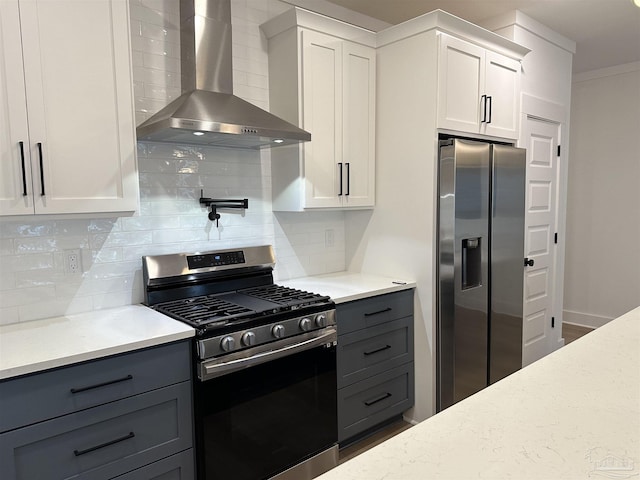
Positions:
{"x": 388, "y": 309}
{"x": 380, "y": 349}
{"x": 77, "y": 453}
{"x": 379, "y": 398}
{"x": 103, "y": 384}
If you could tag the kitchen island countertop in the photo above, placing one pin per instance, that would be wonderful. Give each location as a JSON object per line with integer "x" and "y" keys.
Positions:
{"x": 348, "y": 286}
{"x": 39, "y": 345}
{"x": 572, "y": 414}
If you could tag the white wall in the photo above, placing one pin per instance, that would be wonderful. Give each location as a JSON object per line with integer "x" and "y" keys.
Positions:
{"x": 602, "y": 270}
{"x": 33, "y": 283}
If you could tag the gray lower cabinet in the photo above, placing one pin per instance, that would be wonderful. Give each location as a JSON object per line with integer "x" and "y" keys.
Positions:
{"x": 127, "y": 416}
{"x": 375, "y": 362}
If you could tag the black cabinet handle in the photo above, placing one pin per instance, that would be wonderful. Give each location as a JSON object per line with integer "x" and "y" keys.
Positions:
{"x": 103, "y": 384}
{"x": 489, "y": 99}
{"x": 385, "y": 310}
{"x": 77, "y": 453}
{"x": 41, "y": 168}
{"x": 24, "y": 171}
{"x": 483, "y": 102}
{"x": 528, "y": 262}
{"x": 340, "y": 192}
{"x": 377, "y": 350}
{"x": 348, "y": 165}
{"x": 377, "y": 399}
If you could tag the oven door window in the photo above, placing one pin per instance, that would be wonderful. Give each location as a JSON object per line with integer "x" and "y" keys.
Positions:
{"x": 257, "y": 422}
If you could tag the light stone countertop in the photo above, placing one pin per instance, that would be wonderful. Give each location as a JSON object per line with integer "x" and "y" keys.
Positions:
{"x": 573, "y": 414}
{"x": 347, "y": 286}
{"x": 39, "y": 345}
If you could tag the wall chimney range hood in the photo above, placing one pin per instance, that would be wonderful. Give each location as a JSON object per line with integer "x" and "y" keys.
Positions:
{"x": 207, "y": 112}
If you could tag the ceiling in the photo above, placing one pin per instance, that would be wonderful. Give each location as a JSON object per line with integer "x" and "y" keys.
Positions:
{"x": 606, "y": 32}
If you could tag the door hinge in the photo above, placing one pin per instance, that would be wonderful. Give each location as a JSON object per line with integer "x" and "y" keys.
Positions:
{"x": 553, "y": 322}
{"x": 555, "y": 238}
{"x": 558, "y": 150}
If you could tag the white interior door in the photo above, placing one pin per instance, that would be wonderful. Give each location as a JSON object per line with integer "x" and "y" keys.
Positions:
{"x": 540, "y": 227}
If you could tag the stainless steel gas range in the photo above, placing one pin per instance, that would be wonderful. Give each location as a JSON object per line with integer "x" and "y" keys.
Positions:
{"x": 265, "y": 395}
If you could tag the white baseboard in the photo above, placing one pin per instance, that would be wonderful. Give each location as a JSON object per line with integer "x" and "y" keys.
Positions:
{"x": 584, "y": 319}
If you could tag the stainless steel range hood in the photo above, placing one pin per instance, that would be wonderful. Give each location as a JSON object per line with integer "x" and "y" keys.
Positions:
{"x": 207, "y": 112}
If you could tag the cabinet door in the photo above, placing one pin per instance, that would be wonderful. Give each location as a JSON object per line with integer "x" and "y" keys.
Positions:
{"x": 15, "y": 174}
{"x": 460, "y": 82}
{"x": 502, "y": 87}
{"x": 322, "y": 116}
{"x": 359, "y": 87}
{"x": 79, "y": 100}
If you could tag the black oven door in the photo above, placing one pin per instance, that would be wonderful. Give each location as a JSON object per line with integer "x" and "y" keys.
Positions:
{"x": 259, "y": 421}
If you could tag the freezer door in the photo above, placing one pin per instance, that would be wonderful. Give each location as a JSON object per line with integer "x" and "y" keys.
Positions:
{"x": 464, "y": 193}
{"x": 507, "y": 260}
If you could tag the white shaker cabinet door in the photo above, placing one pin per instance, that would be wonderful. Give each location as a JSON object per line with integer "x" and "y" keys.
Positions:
{"x": 359, "y": 87}
{"x": 322, "y": 114}
{"x": 460, "y": 83}
{"x": 478, "y": 89}
{"x": 502, "y": 87}
{"x": 15, "y": 169}
{"x": 77, "y": 73}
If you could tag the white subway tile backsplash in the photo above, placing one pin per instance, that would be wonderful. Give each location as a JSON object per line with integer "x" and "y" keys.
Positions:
{"x": 170, "y": 219}
{"x": 161, "y": 62}
{"x": 160, "y": 32}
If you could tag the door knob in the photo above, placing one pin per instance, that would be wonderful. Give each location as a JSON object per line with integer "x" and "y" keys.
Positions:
{"x": 528, "y": 262}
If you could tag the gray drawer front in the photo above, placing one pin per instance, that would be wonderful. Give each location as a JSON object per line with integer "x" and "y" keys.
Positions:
{"x": 373, "y": 350}
{"x": 352, "y": 316}
{"x": 176, "y": 467}
{"x": 109, "y": 377}
{"x": 374, "y": 400}
{"x": 93, "y": 444}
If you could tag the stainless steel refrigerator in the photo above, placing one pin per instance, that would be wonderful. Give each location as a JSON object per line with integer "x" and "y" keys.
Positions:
{"x": 480, "y": 266}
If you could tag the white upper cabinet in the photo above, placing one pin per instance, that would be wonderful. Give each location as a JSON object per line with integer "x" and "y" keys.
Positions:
{"x": 67, "y": 137}
{"x": 478, "y": 89}
{"x": 322, "y": 78}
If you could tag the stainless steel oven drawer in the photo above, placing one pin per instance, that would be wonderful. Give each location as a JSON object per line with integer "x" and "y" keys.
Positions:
{"x": 373, "y": 350}
{"x": 367, "y": 403}
{"x": 101, "y": 442}
{"x": 52, "y": 393}
{"x": 352, "y": 316}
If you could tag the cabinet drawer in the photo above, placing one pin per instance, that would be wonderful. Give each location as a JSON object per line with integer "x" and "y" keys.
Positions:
{"x": 176, "y": 467}
{"x": 104, "y": 441}
{"x": 368, "y": 312}
{"x": 370, "y": 351}
{"x": 374, "y": 400}
{"x": 85, "y": 385}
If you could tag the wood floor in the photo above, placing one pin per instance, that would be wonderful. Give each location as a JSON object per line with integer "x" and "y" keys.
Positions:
{"x": 570, "y": 333}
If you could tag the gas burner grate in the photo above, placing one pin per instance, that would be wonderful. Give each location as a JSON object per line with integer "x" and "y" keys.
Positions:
{"x": 288, "y": 297}
{"x": 204, "y": 310}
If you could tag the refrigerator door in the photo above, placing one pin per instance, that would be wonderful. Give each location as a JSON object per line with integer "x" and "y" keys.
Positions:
{"x": 507, "y": 260}
{"x": 463, "y": 328}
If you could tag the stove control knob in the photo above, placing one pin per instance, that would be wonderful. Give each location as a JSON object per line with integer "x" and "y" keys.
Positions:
{"x": 249, "y": 339}
{"x": 305, "y": 324}
{"x": 321, "y": 320}
{"x": 277, "y": 331}
{"x": 227, "y": 343}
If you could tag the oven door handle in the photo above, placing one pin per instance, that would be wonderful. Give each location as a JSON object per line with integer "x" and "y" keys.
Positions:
{"x": 209, "y": 370}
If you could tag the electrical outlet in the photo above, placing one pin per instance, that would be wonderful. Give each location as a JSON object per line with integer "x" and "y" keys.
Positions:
{"x": 328, "y": 238}
{"x": 72, "y": 261}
